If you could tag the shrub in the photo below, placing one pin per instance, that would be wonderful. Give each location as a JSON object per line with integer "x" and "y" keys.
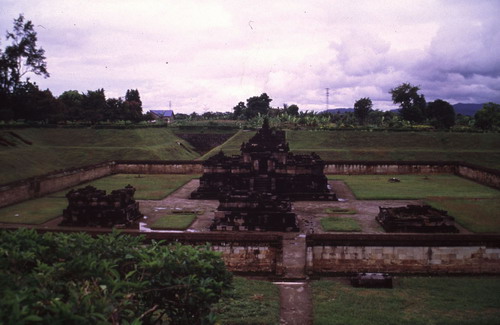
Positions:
{"x": 77, "y": 279}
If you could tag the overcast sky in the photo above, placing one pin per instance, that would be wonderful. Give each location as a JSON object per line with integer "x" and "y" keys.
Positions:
{"x": 209, "y": 55}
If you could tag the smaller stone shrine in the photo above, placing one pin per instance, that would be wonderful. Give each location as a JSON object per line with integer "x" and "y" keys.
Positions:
{"x": 416, "y": 218}
{"x": 91, "y": 207}
{"x": 243, "y": 211}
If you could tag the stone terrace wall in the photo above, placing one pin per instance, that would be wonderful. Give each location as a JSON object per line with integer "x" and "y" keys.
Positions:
{"x": 158, "y": 167}
{"x": 329, "y": 254}
{"x": 39, "y": 186}
{"x": 480, "y": 174}
{"x": 388, "y": 167}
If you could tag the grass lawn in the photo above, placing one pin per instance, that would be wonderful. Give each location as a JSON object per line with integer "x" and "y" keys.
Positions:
{"x": 148, "y": 187}
{"x": 337, "y": 210}
{"x": 34, "y": 212}
{"x": 59, "y": 148}
{"x": 174, "y": 222}
{"x": 477, "y": 215}
{"x": 414, "y": 300}
{"x": 343, "y": 224}
{"x": 413, "y": 187}
{"x": 477, "y": 148}
{"x": 252, "y": 302}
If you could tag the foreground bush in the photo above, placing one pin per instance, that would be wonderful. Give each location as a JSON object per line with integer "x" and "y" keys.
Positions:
{"x": 60, "y": 278}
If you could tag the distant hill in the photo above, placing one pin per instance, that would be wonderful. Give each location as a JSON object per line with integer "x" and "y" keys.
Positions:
{"x": 467, "y": 109}
{"x": 464, "y": 109}
{"x": 338, "y": 110}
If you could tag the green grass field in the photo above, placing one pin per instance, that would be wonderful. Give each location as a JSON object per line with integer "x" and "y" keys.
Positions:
{"x": 412, "y": 301}
{"x": 148, "y": 187}
{"x": 252, "y": 302}
{"x": 173, "y": 222}
{"x": 477, "y": 148}
{"x": 55, "y": 149}
{"x": 34, "y": 212}
{"x": 477, "y": 215}
{"x": 377, "y": 187}
{"x": 341, "y": 224}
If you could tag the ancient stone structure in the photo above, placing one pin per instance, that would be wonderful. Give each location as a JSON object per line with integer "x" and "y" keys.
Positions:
{"x": 265, "y": 166}
{"x": 255, "y": 211}
{"x": 91, "y": 207}
{"x": 255, "y": 189}
{"x": 372, "y": 280}
{"x": 415, "y": 218}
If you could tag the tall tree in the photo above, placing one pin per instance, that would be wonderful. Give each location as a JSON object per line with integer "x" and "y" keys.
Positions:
{"x": 362, "y": 108}
{"x": 488, "y": 117}
{"x": 412, "y": 104}
{"x": 441, "y": 114}
{"x": 22, "y": 56}
{"x": 133, "y": 105}
{"x": 257, "y": 105}
{"x": 239, "y": 110}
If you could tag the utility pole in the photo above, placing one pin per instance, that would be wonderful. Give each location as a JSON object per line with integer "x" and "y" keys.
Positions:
{"x": 327, "y": 96}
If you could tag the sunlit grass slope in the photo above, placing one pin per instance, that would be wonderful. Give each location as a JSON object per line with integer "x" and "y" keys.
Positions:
{"x": 477, "y": 148}
{"x": 54, "y": 149}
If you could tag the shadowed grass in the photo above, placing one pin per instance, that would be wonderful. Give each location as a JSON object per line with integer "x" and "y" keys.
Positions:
{"x": 477, "y": 215}
{"x": 341, "y": 224}
{"x": 33, "y": 212}
{"x": 174, "y": 222}
{"x": 377, "y": 187}
{"x": 252, "y": 302}
{"x": 414, "y": 300}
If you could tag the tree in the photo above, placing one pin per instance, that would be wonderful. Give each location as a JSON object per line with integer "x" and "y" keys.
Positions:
{"x": 257, "y": 105}
{"x": 362, "y": 108}
{"x": 488, "y": 117}
{"x": 239, "y": 110}
{"x": 441, "y": 114}
{"x": 292, "y": 110}
{"x": 22, "y": 56}
{"x": 94, "y": 105}
{"x": 411, "y": 103}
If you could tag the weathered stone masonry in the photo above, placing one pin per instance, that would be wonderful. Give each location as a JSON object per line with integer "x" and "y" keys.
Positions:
{"x": 39, "y": 186}
{"x": 423, "y": 254}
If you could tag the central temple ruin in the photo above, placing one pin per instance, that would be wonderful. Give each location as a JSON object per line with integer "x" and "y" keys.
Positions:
{"x": 255, "y": 188}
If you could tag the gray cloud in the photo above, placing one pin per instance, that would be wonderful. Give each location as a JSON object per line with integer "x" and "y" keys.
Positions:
{"x": 213, "y": 54}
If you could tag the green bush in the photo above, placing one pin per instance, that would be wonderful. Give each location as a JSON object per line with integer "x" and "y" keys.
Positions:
{"x": 59, "y": 278}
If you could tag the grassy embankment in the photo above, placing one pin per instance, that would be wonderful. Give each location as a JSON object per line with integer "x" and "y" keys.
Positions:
{"x": 414, "y": 300}
{"x": 474, "y": 206}
{"x": 476, "y": 148}
{"x": 54, "y": 149}
{"x": 148, "y": 187}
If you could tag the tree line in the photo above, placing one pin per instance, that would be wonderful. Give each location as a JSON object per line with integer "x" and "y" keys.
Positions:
{"x": 21, "y": 99}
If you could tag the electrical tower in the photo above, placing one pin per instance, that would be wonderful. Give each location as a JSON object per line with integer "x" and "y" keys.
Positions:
{"x": 327, "y": 97}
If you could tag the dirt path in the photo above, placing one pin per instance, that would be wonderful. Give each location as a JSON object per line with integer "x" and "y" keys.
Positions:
{"x": 295, "y": 296}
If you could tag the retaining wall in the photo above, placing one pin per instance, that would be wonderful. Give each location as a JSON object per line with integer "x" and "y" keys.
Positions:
{"x": 158, "y": 167}
{"x": 329, "y": 254}
{"x": 39, "y": 186}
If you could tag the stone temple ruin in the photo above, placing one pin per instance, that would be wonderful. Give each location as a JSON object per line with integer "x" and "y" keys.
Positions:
{"x": 255, "y": 188}
{"x": 416, "y": 218}
{"x": 91, "y": 207}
